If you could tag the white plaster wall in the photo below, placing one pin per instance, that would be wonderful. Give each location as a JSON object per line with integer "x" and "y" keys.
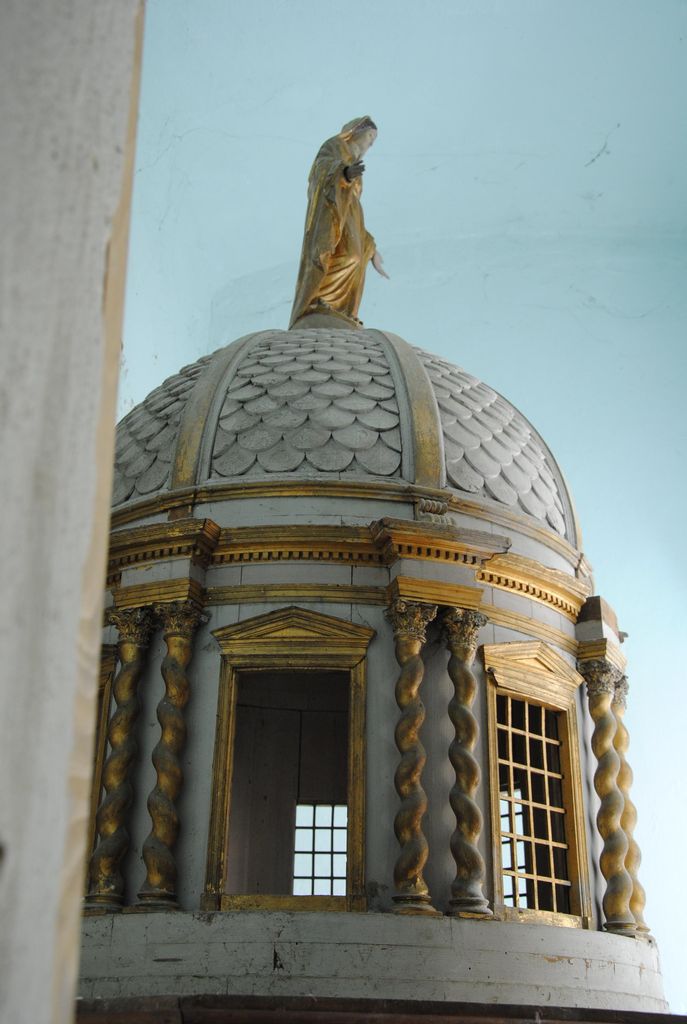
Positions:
{"x": 65, "y": 93}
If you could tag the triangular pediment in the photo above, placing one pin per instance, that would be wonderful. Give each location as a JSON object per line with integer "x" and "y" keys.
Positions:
{"x": 293, "y": 631}
{"x": 530, "y": 660}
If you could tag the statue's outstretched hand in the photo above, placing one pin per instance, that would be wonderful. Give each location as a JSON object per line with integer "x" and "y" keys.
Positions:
{"x": 378, "y": 264}
{"x": 354, "y": 171}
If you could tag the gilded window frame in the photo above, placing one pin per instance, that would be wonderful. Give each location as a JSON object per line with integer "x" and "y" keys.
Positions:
{"x": 288, "y": 638}
{"x": 532, "y": 671}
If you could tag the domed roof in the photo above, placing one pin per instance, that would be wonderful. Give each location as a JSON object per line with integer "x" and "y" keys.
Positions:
{"x": 320, "y": 403}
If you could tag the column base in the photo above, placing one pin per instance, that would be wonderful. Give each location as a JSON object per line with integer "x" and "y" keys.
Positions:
{"x": 628, "y": 928}
{"x": 469, "y": 906}
{"x": 157, "y": 901}
{"x": 100, "y": 909}
{"x": 414, "y": 904}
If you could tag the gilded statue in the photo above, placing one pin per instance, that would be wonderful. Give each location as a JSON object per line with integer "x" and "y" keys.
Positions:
{"x": 336, "y": 245}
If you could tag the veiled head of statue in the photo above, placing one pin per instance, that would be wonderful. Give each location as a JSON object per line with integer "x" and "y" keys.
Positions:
{"x": 359, "y": 134}
{"x": 356, "y": 126}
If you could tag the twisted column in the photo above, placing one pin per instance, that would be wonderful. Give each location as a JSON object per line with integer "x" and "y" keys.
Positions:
{"x": 105, "y": 880}
{"x": 601, "y": 679}
{"x": 179, "y": 621}
{"x": 409, "y": 623}
{"x": 461, "y": 627}
{"x": 628, "y": 820}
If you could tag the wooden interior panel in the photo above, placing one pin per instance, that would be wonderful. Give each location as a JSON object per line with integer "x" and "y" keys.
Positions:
{"x": 291, "y": 745}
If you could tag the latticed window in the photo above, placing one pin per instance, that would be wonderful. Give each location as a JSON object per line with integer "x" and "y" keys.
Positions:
{"x": 319, "y": 863}
{"x": 534, "y": 850}
{"x": 540, "y": 858}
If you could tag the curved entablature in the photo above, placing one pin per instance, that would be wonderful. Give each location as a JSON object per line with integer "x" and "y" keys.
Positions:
{"x": 323, "y": 404}
{"x": 380, "y": 544}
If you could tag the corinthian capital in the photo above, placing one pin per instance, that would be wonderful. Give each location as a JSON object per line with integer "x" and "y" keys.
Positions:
{"x": 601, "y": 676}
{"x": 410, "y": 620}
{"x": 461, "y": 628}
{"x": 179, "y": 617}
{"x": 134, "y": 625}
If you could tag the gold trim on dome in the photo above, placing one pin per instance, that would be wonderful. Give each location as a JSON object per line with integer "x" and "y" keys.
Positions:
{"x": 523, "y": 524}
{"x": 380, "y": 544}
{"x": 424, "y": 423}
{"x": 189, "y": 538}
{"x": 331, "y": 593}
{"x": 321, "y": 904}
{"x": 434, "y": 592}
{"x": 601, "y": 650}
{"x": 189, "y": 497}
{"x": 259, "y": 593}
{"x": 248, "y": 593}
{"x": 525, "y": 624}
{"x": 534, "y": 580}
{"x": 247, "y": 490}
{"x": 342, "y": 544}
{"x": 199, "y": 413}
{"x": 549, "y": 917}
{"x": 301, "y": 639}
{"x": 286, "y": 636}
{"x": 532, "y": 668}
{"x": 141, "y": 595}
{"x": 405, "y": 538}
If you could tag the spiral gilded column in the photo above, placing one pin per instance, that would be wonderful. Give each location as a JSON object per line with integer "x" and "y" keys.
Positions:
{"x": 105, "y": 880}
{"x": 461, "y": 627}
{"x": 628, "y": 820}
{"x": 411, "y": 894}
{"x": 179, "y": 621}
{"x": 601, "y": 679}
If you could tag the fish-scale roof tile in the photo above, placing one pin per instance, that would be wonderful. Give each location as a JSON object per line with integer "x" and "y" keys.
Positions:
{"x": 509, "y": 458}
{"x": 319, "y": 402}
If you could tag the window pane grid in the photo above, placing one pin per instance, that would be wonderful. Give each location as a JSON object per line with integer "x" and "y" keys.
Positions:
{"x": 551, "y": 747}
{"x": 548, "y": 843}
{"x": 319, "y": 867}
{"x": 528, "y": 874}
{"x": 534, "y": 854}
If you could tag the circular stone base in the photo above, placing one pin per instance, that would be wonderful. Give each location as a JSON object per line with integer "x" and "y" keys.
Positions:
{"x": 359, "y": 956}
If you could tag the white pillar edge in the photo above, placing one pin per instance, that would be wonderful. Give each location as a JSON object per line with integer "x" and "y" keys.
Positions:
{"x": 69, "y": 83}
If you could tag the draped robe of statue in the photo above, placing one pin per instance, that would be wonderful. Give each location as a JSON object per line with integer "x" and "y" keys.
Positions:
{"x": 336, "y": 246}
